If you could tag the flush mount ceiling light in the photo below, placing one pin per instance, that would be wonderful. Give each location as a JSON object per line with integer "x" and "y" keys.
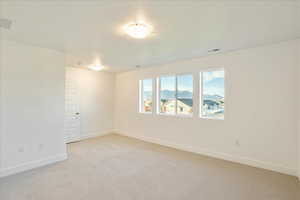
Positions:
{"x": 96, "y": 67}
{"x": 138, "y": 30}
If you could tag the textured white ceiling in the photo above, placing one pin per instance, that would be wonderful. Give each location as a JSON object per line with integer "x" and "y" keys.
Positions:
{"x": 90, "y": 30}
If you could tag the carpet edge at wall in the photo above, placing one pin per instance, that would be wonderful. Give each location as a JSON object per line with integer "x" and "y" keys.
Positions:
{"x": 32, "y": 165}
{"x": 219, "y": 155}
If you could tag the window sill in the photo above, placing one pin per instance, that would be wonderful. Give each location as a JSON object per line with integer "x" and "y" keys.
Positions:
{"x": 146, "y": 113}
{"x": 176, "y": 115}
{"x": 211, "y": 118}
{"x": 184, "y": 116}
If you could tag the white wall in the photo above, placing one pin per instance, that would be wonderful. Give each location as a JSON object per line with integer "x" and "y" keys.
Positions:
{"x": 1, "y": 60}
{"x": 96, "y": 99}
{"x": 32, "y": 106}
{"x": 298, "y": 52}
{"x": 261, "y": 84}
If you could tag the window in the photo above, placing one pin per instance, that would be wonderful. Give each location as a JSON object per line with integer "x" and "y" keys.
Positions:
{"x": 167, "y": 94}
{"x": 185, "y": 94}
{"x": 212, "y": 94}
{"x": 176, "y": 95}
{"x": 146, "y": 92}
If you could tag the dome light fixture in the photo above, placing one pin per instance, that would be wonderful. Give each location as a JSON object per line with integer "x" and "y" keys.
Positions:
{"x": 96, "y": 67}
{"x": 138, "y": 30}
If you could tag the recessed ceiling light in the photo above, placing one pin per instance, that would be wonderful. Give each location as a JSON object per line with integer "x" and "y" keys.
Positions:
{"x": 138, "y": 30}
{"x": 96, "y": 67}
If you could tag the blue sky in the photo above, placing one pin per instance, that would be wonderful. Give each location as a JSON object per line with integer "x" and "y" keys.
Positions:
{"x": 213, "y": 83}
{"x": 185, "y": 82}
{"x": 147, "y": 84}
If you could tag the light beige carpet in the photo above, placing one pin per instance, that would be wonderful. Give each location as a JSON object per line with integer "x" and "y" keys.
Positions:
{"x": 114, "y": 167}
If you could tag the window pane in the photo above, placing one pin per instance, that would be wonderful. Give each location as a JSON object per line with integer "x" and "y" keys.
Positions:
{"x": 147, "y": 95}
{"x": 167, "y": 94}
{"x": 185, "y": 94}
{"x": 213, "y": 94}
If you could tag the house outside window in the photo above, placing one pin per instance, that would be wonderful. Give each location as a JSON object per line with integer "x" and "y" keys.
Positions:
{"x": 176, "y": 95}
{"x": 212, "y": 94}
{"x": 146, "y": 96}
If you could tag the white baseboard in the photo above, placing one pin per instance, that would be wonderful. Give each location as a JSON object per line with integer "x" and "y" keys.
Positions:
{"x": 219, "y": 155}
{"x": 95, "y": 134}
{"x": 46, "y": 161}
{"x": 32, "y": 164}
{"x": 88, "y": 135}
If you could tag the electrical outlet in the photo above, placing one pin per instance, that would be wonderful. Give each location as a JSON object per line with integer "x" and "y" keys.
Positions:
{"x": 41, "y": 147}
{"x": 21, "y": 149}
{"x": 237, "y": 143}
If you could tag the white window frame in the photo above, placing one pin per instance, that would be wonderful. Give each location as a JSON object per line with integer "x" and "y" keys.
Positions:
{"x": 158, "y": 83}
{"x": 201, "y": 92}
{"x": 158, "y": 95}
{"x": 141, "y": 96}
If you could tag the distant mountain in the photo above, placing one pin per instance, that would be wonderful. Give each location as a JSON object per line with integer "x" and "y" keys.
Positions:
{"x": 213, "y": 97}
{"x": 184, "y": 94}
{"x": 167, "y": 94}
{"x": 147, "y": 94}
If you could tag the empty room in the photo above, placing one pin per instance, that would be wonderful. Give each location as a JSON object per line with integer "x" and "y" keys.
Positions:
{"x": 149, "y": 100}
